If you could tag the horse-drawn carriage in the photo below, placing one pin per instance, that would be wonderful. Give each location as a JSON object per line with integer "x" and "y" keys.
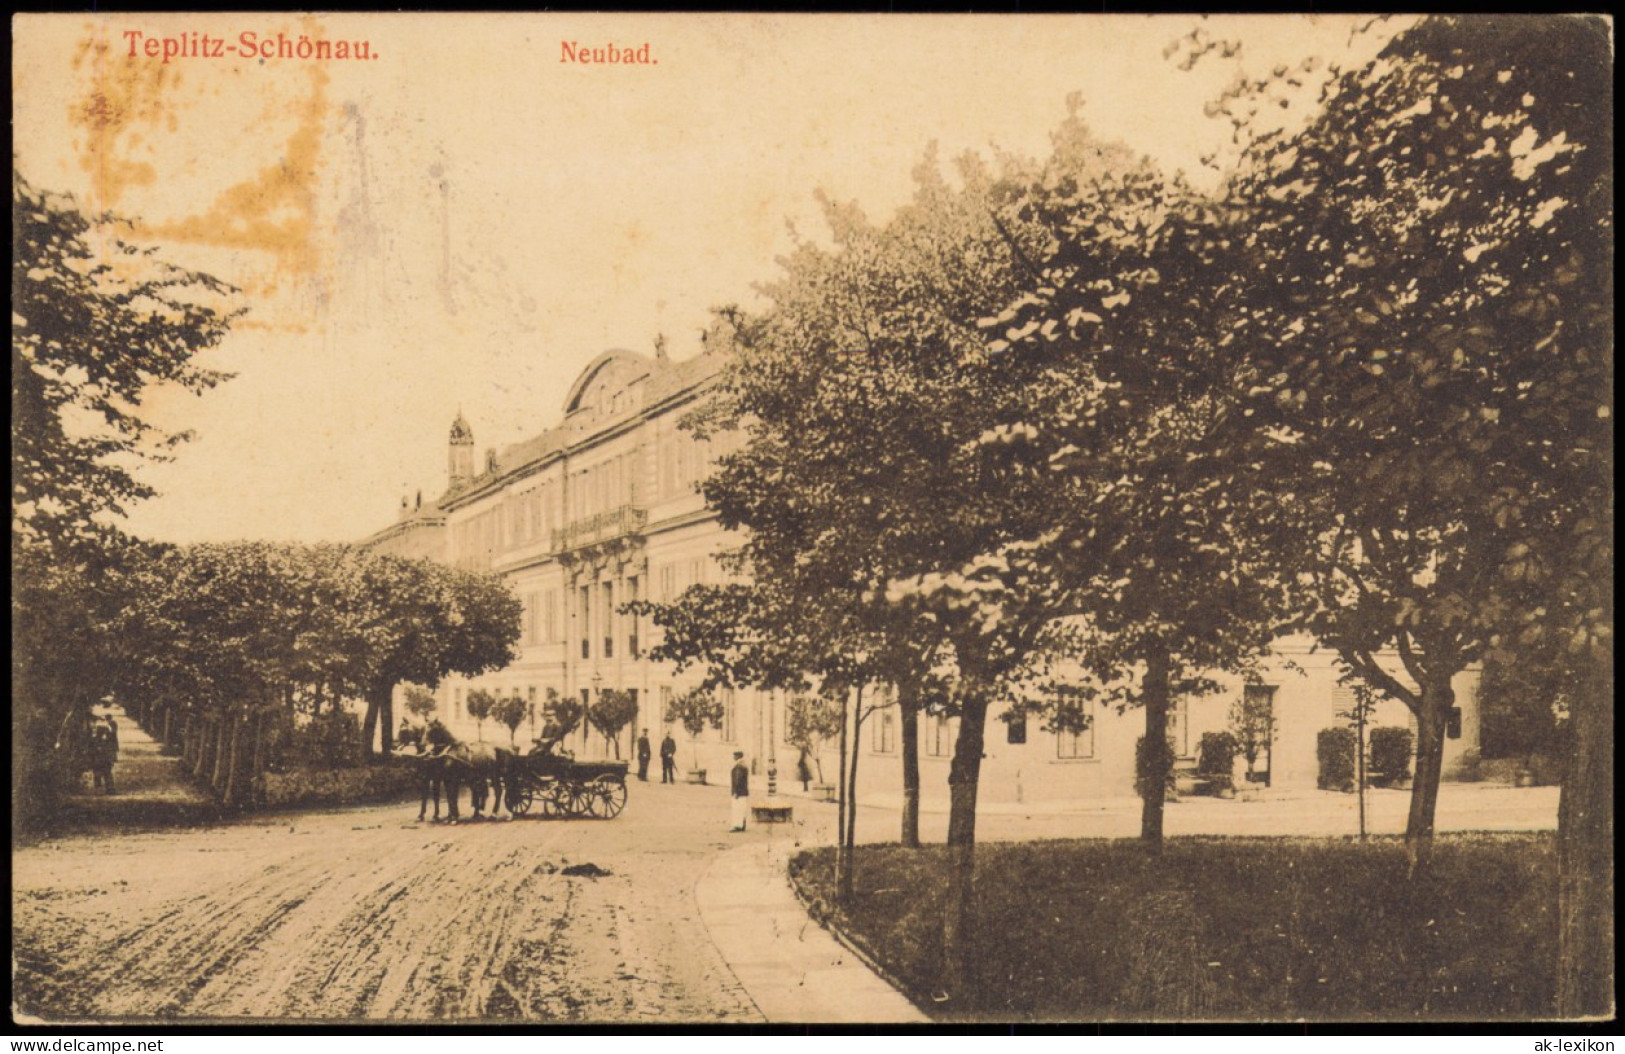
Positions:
{"x": 556, "y": 785}
{"x": 552, "y": 783}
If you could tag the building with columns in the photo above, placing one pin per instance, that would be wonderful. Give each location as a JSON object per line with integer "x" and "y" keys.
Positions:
{"x": 597, "y": 511}
{"x": 603, "y": 508}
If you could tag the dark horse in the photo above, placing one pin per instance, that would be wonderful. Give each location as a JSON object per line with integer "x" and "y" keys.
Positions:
{"x": 444, "y": 762}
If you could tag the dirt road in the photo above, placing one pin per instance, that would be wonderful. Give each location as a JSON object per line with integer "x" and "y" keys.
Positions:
{"x": 366, "y": 914}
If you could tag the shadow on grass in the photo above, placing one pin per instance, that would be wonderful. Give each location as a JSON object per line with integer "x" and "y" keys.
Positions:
{"x": 1215, "y": 928}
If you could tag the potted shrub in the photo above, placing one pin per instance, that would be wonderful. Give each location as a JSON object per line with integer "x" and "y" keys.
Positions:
{"x": 694, "y": 710}
{"x": 1390, "y": 756}
{"x": 1216, "y": 759}
{"x": 811, "y": 720}
{"x": 1335, "y": 748}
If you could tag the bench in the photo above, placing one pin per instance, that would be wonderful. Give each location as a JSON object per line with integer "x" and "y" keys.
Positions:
{"x": 770, "y": 812}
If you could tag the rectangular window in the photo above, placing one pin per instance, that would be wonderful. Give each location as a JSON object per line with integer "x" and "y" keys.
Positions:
{"x": 728, "y": 729}
{"x": 584, "y": 615}
{"x": 665, "y": 702}
{"x": 632, "y": 620}
{"x": 1452, "y": 723}
{"x": 937, "y": 739}
{"x": 610, "y": 619}
{"x": 1015, "y": 731}
{"x": 885, "y": 731}
{"x": 1179, "y": 726}
{"x": 1070, "y": 745}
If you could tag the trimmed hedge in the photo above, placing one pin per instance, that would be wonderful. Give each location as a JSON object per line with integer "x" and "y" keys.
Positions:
{"x": 1336, "y": 749}
{"x": 308, "y": 787}
{"x": 1391, "y": 753}
{"x": 1218, "y": 752}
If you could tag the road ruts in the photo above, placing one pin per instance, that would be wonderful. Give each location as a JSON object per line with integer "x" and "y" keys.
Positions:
{"x": 363, "y": 914}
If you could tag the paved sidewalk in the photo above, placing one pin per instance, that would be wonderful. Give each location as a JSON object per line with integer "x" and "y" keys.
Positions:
{"x": 793, "y": 970}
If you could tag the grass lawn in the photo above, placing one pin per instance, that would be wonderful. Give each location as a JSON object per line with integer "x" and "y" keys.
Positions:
{"x": 1216, "y": 928}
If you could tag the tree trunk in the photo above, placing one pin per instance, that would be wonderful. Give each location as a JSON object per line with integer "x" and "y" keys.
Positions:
{"x": 959, "y": 914}
{"x": 234, "y": 766}
{"x": 850, "y": 828}
{"x": 1154, "y": 784}
{"x": 1585, "y": 855}
{"x": 386, "y": 718}
{"x": 843, "y": 866}
{"x": 257, "y": 764}
{"x": 222, "y": 746}
{"x": 1437, "y": 699}
{"x": 204, "y": 733}
{"x": 910, "y": 713}
{"x": 369, "y": 724}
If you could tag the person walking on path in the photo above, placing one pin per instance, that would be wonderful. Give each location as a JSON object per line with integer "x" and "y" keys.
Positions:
{"x": 803, "y": 769}
{"x": 739, "y": 786}
{"x": 643, "y": 756}
{"x": 668, "y": 759}
{"x": 103, "y": 753}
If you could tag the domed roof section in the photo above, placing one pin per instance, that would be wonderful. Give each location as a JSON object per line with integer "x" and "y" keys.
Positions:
{"x": 460, "y": 429}
{"x": 613, "y": 370}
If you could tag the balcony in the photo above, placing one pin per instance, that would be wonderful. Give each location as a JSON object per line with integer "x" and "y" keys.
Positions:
{"x": 600, "y": 527}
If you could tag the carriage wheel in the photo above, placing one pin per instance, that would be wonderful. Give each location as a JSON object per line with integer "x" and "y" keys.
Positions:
{"x": 555, "y": 798}
{"x": 606, "y": 797}
{"x": 582, "y": 798}
{"x": 520, "y": 804}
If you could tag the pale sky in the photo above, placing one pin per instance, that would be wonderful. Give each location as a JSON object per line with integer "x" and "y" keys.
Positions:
{"x": 465, "y": 220}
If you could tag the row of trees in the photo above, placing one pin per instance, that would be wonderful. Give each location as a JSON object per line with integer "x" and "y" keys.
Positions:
{"x": 1077, "y": 412}
{"x": 96, "y": 323}
{"x": 224, "y": 627}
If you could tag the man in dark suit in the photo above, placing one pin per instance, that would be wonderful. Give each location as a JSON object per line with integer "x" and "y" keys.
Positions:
{"x": 739, "y": 787}
{"x": 668, "y": 759}
{"x": 643, "y": 756}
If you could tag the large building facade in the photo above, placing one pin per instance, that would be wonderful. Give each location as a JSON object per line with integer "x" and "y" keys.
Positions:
{"x": 603, "y": 509}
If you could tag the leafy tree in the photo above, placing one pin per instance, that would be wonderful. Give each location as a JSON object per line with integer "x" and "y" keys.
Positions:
{"x": 695, "y": 709}
{"x": 1147, "y": 550}
{"x": 96, "y": 324}
{"x": 1524, "y": 701}
{"x": 511, "y": 712}
{"x": 420, "y": 702}
{"x": 1252, "y": 720}
{"x": 811, "y": 720}
{"x": 1430, "y": 337}
{"x": 479, "y": 705}
{"x": 611, "y": 712}
{"x": 863, "y": 391}
{"x": 1429, "y": 331}
{"x": 424, "y": 621}
{"x": 94, "y": 327}
{"x": 565, "y": 713}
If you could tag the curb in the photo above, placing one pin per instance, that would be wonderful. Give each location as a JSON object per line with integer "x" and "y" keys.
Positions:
{"x": 852, "y": 944}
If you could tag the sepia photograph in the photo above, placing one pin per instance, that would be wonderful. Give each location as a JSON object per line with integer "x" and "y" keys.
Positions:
{"x": 759, "y": 520}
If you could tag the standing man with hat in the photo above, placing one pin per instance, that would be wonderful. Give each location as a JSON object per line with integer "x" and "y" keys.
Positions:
{"x": 739, "y": 786}
{"x": 668, "y": 759}
{"x": 643, "y": 756}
